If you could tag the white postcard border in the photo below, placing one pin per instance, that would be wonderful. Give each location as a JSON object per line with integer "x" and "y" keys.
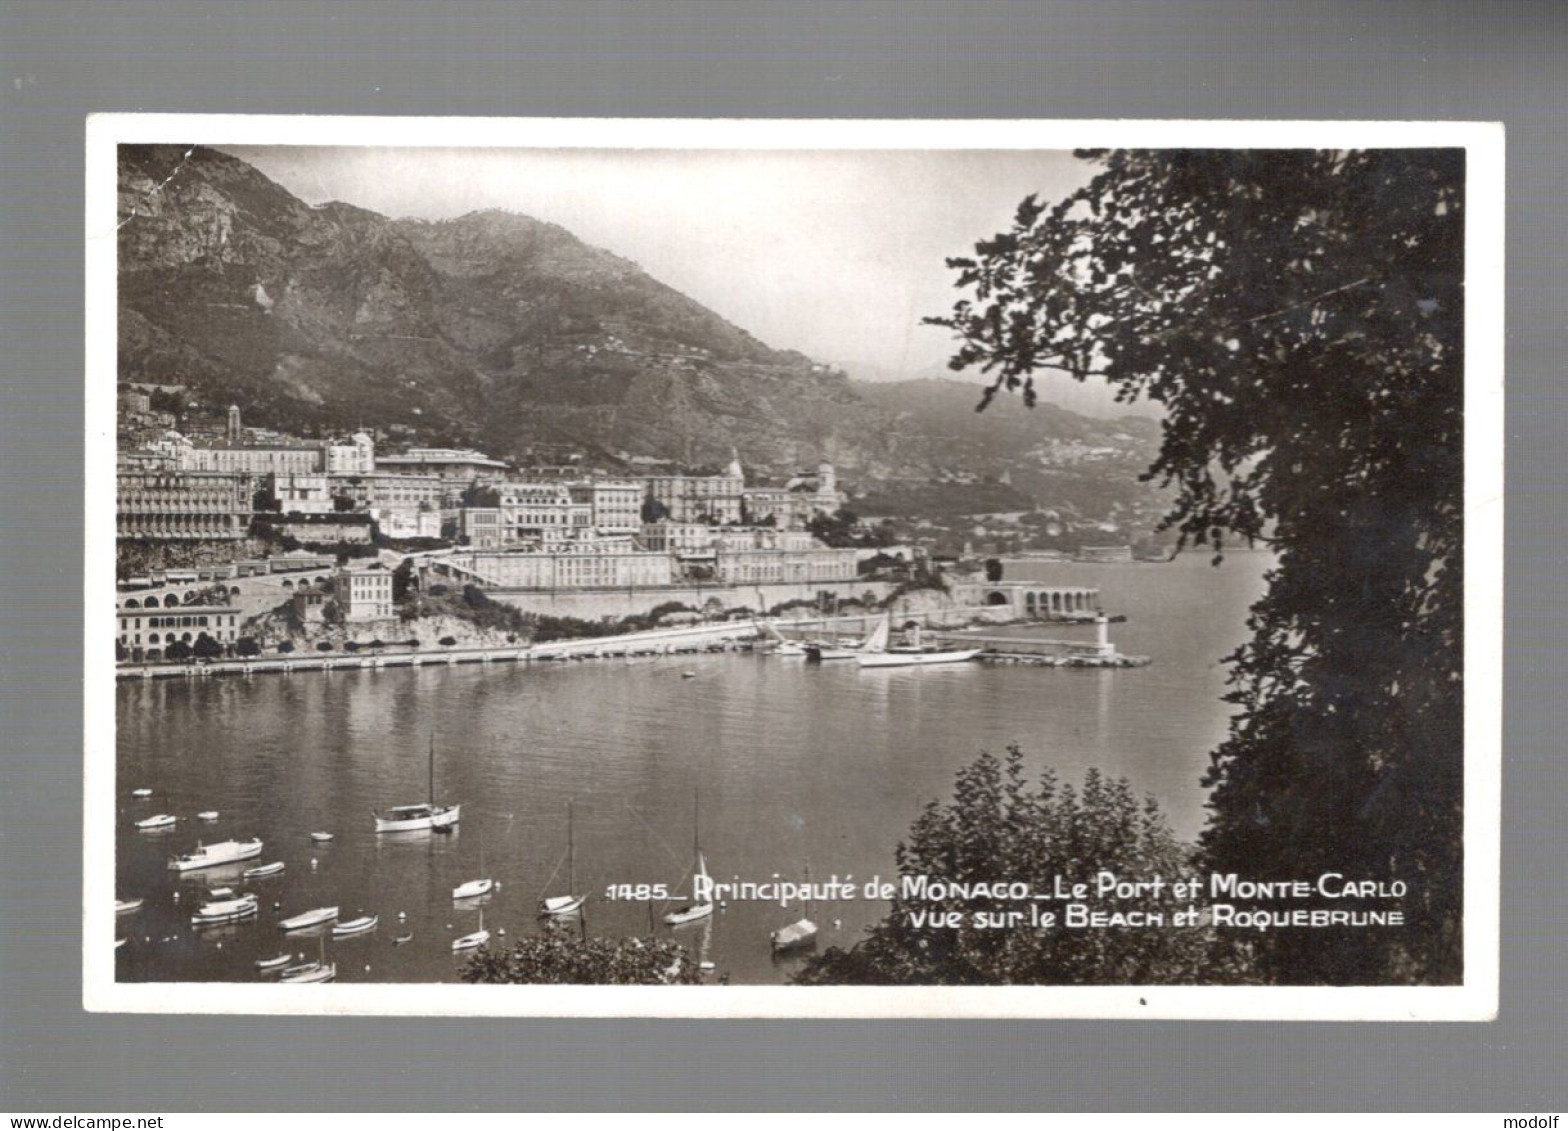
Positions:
{"x": 1475, "y": 1000}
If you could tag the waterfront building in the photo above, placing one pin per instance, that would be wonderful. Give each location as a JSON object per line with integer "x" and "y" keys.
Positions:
{"x": 181, "y": 506}
{"x": 144, "y": 633}
{"x": 365, "y": 593}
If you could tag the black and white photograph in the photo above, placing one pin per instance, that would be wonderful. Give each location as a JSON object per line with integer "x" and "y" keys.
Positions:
{"x": 793, "y": 568}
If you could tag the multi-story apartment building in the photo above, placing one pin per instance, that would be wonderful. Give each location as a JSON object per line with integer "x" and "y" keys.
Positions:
{"x": 591, "y": 565}
{"x": 181, "y": 505}
{"x": 616, "y": 504}
{"x": 365, "y": 593}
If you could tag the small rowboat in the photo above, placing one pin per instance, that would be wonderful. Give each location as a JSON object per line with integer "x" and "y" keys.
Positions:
{"x": 273, "y": 963}
{"x": 401, "y": 939}
{"x": 315, "y": 972}
{"x": 313, "y": 918}
{"x": 118, "y": 943}
{"x": 474, "y": 888}
{"x": 471, "y": 942}
{"x": 207, "y": 815}
{"x": 264, "y": 870}
{"x": 321, "y": 837}
{"x": 355, "y": 926}
{"x": 141, "y": 793}
{"x": 126, "y": 906}
{"x": 161, "y": 821}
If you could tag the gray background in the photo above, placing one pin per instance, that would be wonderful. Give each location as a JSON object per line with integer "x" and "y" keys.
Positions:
{"x": 1099, "y": 58}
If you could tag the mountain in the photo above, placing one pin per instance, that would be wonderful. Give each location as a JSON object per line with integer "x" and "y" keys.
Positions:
{"x": 500, "y": 331}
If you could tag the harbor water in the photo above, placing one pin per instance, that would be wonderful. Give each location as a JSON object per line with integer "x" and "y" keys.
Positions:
{"x": 794, "y": 762}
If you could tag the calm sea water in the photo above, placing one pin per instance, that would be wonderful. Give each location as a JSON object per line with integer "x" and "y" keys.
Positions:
{"x": 794, "y": 762}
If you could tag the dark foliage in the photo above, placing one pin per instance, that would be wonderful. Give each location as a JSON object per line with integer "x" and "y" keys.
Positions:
{"x": 561, "y": 957}
{"x": 1300, "y": 316}
{"x": 998, "y": 828}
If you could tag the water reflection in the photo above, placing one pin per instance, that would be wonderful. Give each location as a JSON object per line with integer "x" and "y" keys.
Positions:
{"x": 793, "y": 761}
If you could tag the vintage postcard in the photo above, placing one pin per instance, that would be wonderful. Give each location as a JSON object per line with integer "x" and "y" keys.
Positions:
{"x": 793, "y": 568}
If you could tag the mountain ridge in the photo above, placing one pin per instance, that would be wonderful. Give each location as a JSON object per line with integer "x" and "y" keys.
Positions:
{"x": 494, "y": 329}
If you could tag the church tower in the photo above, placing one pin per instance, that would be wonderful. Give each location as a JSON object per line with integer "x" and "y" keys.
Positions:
{"x": 234, "y": 424}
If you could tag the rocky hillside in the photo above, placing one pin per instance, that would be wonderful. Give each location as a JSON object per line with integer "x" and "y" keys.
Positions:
{"x": 495, "y": 330}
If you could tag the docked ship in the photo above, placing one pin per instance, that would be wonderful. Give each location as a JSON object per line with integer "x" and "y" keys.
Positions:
{"x": 876, "y": 652}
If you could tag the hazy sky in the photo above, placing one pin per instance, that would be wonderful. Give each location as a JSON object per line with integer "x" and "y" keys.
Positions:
{"x": 835, "y": 253}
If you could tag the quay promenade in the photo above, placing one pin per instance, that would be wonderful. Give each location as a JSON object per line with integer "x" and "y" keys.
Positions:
{"x": 683, "y": 639}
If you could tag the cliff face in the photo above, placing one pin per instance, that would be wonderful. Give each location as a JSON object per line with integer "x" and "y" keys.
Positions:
{"x": 492, "y": 329}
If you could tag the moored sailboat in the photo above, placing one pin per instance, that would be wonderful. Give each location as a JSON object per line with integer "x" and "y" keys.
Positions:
{"x": 697, "y": 908}
{"x": 473, "y": 889}
{"x": 802, "y": 932}
{"x": 565, "y": 904}
{"x": 430, "y": 815}
{"x": 475, "y": 940}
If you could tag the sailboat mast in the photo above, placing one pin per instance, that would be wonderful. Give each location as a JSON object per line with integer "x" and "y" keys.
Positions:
{"x": 571, "y": 855}
{"x": 807, "y": 909}
{"x": 696, "y": 821}
{"x": 432, "y": 769}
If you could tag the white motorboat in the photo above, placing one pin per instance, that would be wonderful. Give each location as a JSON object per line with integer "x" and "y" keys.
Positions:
{"x": 207, "y": 815}
{"x": 126, "y": 906}
{"x": 310, "y": 972}
{"x": 118, "y": 943}
{"x": 141, "y": 793}
{"x": 556, "y": 905}
{"x": 313, "y": 918}
{"x": 224, "y": 905}
{"x": 264, "y": 870}
{"x": 429, "y": 815}
{"x": 211, "y": 855}
{"x": 473, "y": 941}
{"x": 355, "y": 926}
{"x": 320, "y": 838}
{"x": 270, "y": 964}
{"x": 876, "y": 653}
{"x": 696, "y": 909}
{"x": 161, "y": 821}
